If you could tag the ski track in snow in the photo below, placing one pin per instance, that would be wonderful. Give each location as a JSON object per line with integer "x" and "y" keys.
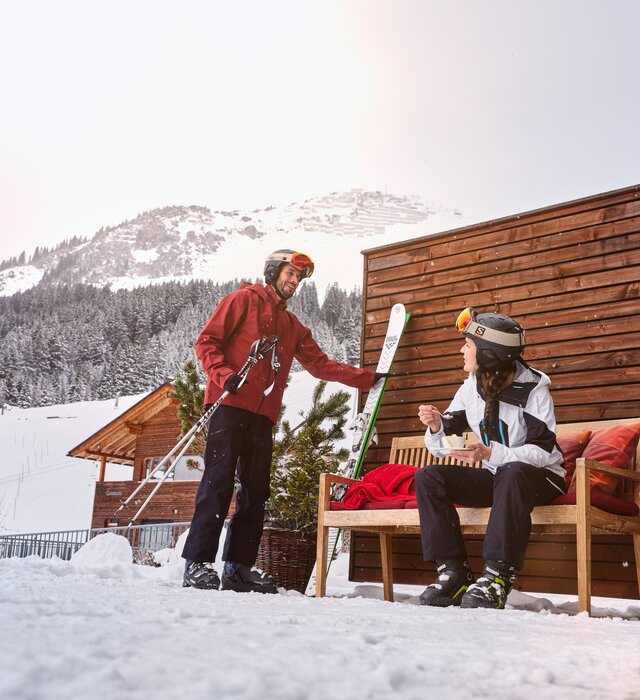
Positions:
{"x": 99, "y": 627}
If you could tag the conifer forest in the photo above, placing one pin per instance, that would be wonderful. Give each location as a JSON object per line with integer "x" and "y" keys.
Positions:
{"x": 65, "y": 343}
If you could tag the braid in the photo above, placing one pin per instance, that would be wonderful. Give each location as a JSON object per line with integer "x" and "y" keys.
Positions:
{"x": 492, "y": 382}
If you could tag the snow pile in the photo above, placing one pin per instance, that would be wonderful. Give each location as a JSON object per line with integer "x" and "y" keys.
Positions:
{"x": 103, "y": 551}
{"x": 69, "y": 634}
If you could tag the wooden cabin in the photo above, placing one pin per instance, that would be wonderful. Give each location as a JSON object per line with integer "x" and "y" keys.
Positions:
{"x": 571, "y": 274}
{"x": 141, "y": 437}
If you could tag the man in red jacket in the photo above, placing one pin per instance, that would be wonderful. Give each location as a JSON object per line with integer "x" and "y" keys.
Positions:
{"x": 240, "y": 431}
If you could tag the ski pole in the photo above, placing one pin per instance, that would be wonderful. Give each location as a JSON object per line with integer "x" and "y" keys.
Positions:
{"x": 258, "y": 351}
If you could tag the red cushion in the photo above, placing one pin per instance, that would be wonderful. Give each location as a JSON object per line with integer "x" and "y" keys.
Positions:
{"x": 572, "y": 447}
{"x": 373, "y": 505}
{"x": 385, "y": 505}
{"x": 613, "y": 446}
{"x": 411, "y": 504}
{"x": 602, "y": 500}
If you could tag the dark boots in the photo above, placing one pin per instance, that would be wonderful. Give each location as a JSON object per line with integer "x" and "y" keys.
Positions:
{"x": 454, "y": 577}
{"x": 492, "y": 588}
{"x": 243, "y": 579}
{"x": 200, "y": 575}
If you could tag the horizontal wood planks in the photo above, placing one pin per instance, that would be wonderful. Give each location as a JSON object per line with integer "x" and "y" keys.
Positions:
{"x": 174, "y": 502}
{"x": 570, "y": 273}
{"x": 550, "y": 563}
{"x": 159, "y": 435}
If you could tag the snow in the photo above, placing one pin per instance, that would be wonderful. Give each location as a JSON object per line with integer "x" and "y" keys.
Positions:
{"x": 144, "y": 256}
{"x": 19, "y": 279}
{"x": 41, "y": 489}
{"x": 101, "y": 627}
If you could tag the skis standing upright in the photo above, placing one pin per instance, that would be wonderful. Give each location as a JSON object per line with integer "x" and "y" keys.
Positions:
{"x": 364, "y": 423}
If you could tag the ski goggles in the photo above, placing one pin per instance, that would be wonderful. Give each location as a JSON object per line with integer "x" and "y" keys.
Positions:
{"x": 466, "y": 323}
{"x": 300, "y": 261}
{"x": 464, "y": 318}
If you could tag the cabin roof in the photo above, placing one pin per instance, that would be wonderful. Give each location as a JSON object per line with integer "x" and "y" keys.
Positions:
{"x": 116, "y": 441}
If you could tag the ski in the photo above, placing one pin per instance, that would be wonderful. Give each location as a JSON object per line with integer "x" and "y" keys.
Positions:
{"x": 364, "y": 423}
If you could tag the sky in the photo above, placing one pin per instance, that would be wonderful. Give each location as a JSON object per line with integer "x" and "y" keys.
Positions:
{"x": 491, "y": 107}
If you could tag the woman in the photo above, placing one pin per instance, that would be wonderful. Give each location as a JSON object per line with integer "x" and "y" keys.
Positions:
{"x": 507, "y": 405}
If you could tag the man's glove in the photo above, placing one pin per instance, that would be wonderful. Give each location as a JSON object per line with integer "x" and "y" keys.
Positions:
{"x": 380, "y": 375}
{"x": 232, "y": 383}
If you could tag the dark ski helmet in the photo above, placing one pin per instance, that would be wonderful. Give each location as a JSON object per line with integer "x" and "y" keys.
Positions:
{"x": 272, "y": 265}
{"x": 498, "y": 338}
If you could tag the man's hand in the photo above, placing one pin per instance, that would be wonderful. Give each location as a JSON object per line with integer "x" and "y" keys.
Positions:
{"x": 232, "y": 383}
{"x": 430, "y": 416}
{"x": 377, "y": 376}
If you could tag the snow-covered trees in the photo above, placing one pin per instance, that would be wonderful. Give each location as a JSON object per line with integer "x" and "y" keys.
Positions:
{"x": 78, "y": 342}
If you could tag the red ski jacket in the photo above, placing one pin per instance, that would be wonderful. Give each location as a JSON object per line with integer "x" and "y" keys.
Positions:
{"x": 241, "y": 318}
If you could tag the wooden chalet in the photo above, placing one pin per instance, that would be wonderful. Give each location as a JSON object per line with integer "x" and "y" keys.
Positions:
{"x": 571, "y": 274}
{"x": 141, "y": 437}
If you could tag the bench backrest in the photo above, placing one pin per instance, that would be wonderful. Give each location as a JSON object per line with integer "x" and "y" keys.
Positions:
{"x": 412, "y": 450}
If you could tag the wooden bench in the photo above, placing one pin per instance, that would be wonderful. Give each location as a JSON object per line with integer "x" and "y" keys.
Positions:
{"x": 581, "y": 519}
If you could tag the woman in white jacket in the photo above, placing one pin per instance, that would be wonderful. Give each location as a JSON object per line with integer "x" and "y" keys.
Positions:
{"x": 507, "y": 405}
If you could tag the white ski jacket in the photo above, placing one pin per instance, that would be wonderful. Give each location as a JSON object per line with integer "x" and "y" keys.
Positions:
{"x": 527, "y": 424}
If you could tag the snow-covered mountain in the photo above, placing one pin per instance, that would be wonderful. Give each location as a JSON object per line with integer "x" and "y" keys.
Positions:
{"x": 193, "y": 242}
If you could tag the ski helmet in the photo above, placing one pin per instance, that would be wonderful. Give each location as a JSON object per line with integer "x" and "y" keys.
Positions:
{"x": 301, "y": 261}
{"x": 498, "y": 338}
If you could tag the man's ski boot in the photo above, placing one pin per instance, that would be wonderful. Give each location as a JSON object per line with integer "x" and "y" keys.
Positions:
{"x": 454, "y": 577}
{"x": 243, "y": 579}
{"x": 492, "y": 588}
{"x": 200, "y": 575}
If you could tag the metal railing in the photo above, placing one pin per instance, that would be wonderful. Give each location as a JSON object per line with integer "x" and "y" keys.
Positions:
{"x": 63, "y": 544}
{"x": 144, "y": 540}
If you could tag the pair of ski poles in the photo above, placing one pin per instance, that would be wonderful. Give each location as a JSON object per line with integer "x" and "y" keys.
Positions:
{"x": 259, "y": 351}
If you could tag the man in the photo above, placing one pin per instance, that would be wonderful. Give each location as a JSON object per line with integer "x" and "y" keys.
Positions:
{"x": 240, "y": 431}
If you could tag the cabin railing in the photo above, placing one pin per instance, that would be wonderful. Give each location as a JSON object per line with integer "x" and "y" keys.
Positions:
{"x": 144, "y": 540}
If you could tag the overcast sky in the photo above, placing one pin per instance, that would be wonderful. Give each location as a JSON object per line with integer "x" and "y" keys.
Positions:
{"x": 113, "y": 108}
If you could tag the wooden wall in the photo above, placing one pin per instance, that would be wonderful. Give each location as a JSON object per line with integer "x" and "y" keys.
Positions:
{"x": 550, "y": 563}
{"x": 159, "y": 435}
{"x": 172, "y": 496}
{"x": 569, "y": 273}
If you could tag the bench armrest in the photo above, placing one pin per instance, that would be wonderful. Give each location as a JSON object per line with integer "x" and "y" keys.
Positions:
{"x": 326, "y": 481}
{"x": 594, "y": 465}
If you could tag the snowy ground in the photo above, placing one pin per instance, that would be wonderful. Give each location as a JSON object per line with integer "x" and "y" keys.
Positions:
{"x": 99, "y": 627}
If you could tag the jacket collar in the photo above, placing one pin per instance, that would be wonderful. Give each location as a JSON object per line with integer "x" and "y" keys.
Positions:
{"x": 266, "y": 292}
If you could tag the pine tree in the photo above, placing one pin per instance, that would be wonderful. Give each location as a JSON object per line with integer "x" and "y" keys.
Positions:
{"x": 188, "y": 391}
{"x": 300, "y": 455}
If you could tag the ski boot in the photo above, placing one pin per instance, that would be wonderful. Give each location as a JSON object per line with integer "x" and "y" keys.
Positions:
{"x": 243, "y": 579}
{"x": 492, "y": 588}
{"x": 200, "y": 575}
{"x": 454, "y": 577}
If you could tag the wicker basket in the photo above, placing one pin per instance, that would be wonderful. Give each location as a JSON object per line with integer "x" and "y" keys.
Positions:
{"x": 289, "y": 556}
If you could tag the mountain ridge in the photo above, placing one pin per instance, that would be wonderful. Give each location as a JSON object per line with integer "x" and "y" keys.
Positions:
{"x": 180, "y": 242}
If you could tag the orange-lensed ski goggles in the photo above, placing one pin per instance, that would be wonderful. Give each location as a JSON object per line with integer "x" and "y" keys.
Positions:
{"x": 464, "y": 318}
{"x": 301, "y": 261}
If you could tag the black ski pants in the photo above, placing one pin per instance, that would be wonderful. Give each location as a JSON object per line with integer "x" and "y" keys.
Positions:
{"x": 239, "y": 442}
{"x": 512, "y": 492}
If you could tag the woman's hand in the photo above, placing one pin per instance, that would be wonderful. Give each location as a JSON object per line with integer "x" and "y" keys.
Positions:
{"x": 477, "y": 453}
{"x": 430, "y": 416}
